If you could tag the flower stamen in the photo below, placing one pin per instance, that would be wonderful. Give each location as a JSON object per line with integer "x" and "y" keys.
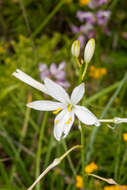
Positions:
{"x": 69, "y": 108}
{"x": 56, "y": 122}
{"x": 70, "y": 119}
{"x": 55, "y": 112}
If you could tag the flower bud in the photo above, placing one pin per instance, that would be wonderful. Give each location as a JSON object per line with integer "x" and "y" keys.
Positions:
{"x": 75, "y": 49}
{"x": 89, "y": 50}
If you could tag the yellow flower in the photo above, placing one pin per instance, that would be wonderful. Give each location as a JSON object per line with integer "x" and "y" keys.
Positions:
{"x": 103, "y": 71}
{"x": 125, "y": 136}
{"x": 79, "y": 181}
{"x": 92, "y": 68}
{"x": 115, "y": 187}
{"x": 84, "y": 2}
{"x": 97, "y": 73}
{"x": 2, "y": 50}
{"x": 91, "y": 167}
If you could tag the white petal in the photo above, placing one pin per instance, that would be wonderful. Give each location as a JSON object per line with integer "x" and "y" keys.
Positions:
{"x": 29, "y": 80}
{"x": 77, "y": 93}
{"x": 45, "y": 105}
{"x": 61, "y": 129}
{"x": 58, "y": 126}
{"x": 86, "y": 116}
{"x": 68, "y": 126}
{"x": 56, "y": 91}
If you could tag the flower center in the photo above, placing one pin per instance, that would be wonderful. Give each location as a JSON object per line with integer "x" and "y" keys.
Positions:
{"x": 69, "y": 108}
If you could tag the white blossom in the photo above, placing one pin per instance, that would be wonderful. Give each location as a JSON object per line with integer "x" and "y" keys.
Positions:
{"x": 65, "y": 107}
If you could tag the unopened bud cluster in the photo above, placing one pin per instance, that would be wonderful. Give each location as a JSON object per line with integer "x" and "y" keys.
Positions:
{"x": 88, "y": 52}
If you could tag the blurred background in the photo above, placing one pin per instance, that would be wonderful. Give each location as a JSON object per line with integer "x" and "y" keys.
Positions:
{"x": 36, "y": 37}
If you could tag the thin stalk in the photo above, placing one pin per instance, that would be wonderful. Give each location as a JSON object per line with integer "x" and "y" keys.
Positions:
{"x": 19, "y": 105}
{"x": 69, "y": 158}
{"x": 48, "y": 18}
{"x": 85, "y": 69}
{"x": 106, "y": 120}
{"x": 38, "y": 157}
{"x": 83, "y": 155}
{"x": 15, "y": 156}
{"x": 53, "y": 164}
{"x": 117, "y": 157}
{"x": 23, "y": 133}
{"x": 25, "y": 16}
{"x": 48, "y": 153}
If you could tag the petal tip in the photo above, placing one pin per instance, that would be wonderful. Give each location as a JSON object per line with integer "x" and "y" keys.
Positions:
{"x": 28, "y": 105}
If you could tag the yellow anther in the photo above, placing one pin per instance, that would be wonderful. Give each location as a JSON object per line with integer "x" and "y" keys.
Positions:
{"x": 69, "y": 108}
{"x": 55, "y": 112}
{"x": 70, "y": 119}
{"x": 68, "y": 122}
{"x": 56, "y": 121}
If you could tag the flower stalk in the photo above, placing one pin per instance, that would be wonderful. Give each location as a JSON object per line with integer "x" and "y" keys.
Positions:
{"x": 52, "y": 165}
{"x": 83, "y": 154}
{"x": 115, "y": 120}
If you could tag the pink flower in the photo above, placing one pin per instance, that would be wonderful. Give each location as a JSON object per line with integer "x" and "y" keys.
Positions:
{"x": 93, "y": 4}
{"x": 103, "y": 17}
{"x": 55, "y": 72}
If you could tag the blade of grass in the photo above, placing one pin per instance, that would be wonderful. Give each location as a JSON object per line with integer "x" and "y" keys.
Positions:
{"x": 95, "y": 130}
{"x": 102, "y": 93}
{"x": 69, "y": 158}
{"x": 23, "y": 133}
{"x": 4, "y": 174}
{"x": 38, "y": 157}
{"x": 49, "y": 149}
{"x": 25, "y": 16}
{"x": 18, "y": 104}
{"x": 7, "y": 90}
{"x": 117, "y": 156}
{"x": 48, "y": 18}
{"x": 15, "y": 157}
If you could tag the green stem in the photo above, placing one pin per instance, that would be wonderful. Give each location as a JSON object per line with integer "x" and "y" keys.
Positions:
{"x": 84, "y": 72}
{"x": 77, "y": 62}
{"x": 48, "y": 18}
{"x": 69, "y": 158}
{"x": 117, "y": 156}
{"x": 83, "y": 155}
{"x": 38, "y": 157}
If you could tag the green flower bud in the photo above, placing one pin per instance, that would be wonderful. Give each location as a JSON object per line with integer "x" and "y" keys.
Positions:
{"x": 75, "y": 49}
{"x": 89, "y": 50}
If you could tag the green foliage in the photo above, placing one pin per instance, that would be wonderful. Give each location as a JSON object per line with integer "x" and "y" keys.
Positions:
{"x": 27, "y": 143}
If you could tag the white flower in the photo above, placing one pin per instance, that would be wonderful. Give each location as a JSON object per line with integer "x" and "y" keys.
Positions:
{"x": 67, "y": 106}
{"x": 89, "y": 50}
